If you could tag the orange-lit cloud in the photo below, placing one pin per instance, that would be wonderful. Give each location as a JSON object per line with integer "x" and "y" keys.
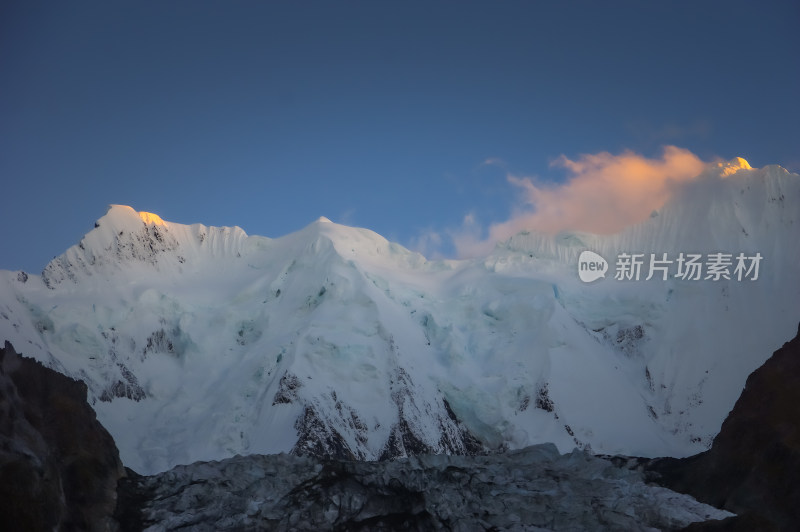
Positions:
{"x": 603, "y": 194}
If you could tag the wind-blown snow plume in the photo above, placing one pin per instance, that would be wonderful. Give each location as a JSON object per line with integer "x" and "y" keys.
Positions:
{"x": 604, "y": 193}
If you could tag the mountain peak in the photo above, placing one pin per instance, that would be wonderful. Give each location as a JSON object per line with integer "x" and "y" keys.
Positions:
{"x": 126, "y": 214}
{"x": 323, "y": 220}
{"x": 333, "y": 341}
{"x": 741, "y": 162}
{"x": 733, "y": 166}
{"x": 150, "y": 218}
{"x": 124, "y": 237}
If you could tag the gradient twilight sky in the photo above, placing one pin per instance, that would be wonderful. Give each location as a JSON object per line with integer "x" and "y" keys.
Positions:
{"x": 403, "y": 117}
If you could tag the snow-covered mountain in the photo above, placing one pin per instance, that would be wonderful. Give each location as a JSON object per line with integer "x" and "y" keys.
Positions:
{"x": 199, "y": 343}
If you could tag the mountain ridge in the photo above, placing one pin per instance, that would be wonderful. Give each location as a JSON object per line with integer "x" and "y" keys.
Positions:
{"x": 334, "y": 340}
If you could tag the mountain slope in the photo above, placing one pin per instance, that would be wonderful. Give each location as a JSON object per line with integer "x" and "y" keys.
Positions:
{"x": 199, "y": 343}
{"x": 754, "y": 461}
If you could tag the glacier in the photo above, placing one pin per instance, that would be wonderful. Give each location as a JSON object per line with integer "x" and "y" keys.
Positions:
{"x": 200, "y": 343}
{"x": 532, "y": 489}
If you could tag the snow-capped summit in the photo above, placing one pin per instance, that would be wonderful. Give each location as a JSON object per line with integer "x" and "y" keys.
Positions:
{"x": 733, "y": 166}
{"x": 200, "y": 343}
{"x": 123, "y": 239}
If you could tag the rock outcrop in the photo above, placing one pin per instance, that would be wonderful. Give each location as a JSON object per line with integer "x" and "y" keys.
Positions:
{"x": 59, "y": 466}
{"x": 753, "y": 465}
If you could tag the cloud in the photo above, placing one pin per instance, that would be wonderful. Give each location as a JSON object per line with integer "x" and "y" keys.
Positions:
{"x": 467, "y": 239}
{"x": 494, "y": 161}
{"x": 603, "y": 194}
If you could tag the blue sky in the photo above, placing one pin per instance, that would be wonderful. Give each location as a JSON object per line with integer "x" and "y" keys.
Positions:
{"x": 378, "y": 114}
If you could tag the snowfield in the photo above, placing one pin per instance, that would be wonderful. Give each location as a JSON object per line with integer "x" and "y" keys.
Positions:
{"x": 201, "y": 343}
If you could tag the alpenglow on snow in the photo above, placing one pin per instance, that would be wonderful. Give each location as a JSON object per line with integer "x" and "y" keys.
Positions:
{"x": 200, "y": 343}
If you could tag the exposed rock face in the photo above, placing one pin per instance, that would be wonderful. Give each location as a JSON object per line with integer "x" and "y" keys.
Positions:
{"x": 59, "y": 467}
{"x": 531, "y": 489}
{"x": 753, "y": 466}
{"x": 142, "y": 242}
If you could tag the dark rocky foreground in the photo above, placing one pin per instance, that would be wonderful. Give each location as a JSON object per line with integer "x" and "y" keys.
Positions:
{"x": 753, "y": 466}
{"x": 59, "y": 470}
{"x": 58, "y": 466}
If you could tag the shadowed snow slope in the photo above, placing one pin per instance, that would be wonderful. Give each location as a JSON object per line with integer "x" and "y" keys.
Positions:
{"x": 199, "y": 343}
